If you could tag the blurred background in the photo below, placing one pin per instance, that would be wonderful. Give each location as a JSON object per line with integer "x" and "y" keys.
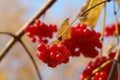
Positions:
{"x": 16, "y": 65}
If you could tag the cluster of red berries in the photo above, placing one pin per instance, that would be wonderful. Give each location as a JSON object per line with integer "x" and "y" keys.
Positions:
{"x": 110, "y": 30}
{"x": 40, "y": 31}
{"x": 83, "y": 41}
{"x": 53, "y": 54}
{"x": 103, "y": 73}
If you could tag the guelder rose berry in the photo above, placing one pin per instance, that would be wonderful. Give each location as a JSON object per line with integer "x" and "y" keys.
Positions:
{"x": 40, "y": 31}
{"x": 84, "y": 41}
{"x": 110, "y": 30}
{"x": 53, "y": 54}
{"x": 101, "y": 74}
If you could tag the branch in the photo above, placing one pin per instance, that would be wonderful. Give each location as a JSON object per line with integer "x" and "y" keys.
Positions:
{"x": 21, "y": 32}
{"x": 10, "y": 34}
{"x": 32, "y": 59}
{"x": 117, "y": 56}
{"x": 114, "y": 66}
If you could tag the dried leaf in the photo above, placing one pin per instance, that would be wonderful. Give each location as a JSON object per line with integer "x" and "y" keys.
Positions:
{"x": 92, "y": 15}
{"x": 85, "y": 7}
{"x": 64, "y": 31}
{"x": 118, "y": 1}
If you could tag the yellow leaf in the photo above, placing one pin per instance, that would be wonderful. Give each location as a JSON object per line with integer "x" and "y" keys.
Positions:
{"x": 85, "y": 7}
{"x": 118, "y": 1}
{"x": 92, "y": 15}
{"x": 64, "y": 31}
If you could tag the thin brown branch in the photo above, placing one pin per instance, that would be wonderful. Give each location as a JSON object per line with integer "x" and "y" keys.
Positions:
{"x": 114, "y": 66}
{"x": 32, "y": 59}
{"x": 21, "y": 32}
{"x": 36, "y": 16}
{"x": 117, "y": 56}
{"x": 118, "y": 67}
{"x": 6, "y": 33}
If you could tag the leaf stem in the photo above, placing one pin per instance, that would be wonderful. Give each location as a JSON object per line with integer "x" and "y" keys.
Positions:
{"x": 85, "y": 11}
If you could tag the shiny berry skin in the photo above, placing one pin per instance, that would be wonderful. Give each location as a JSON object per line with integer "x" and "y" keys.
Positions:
{"x": 110, "y": 30}
{"x": 53, "y": 54}
{"x": 40, "y": 31}
{"x": 83, "y": 41}
{"x": 101, "y": 74}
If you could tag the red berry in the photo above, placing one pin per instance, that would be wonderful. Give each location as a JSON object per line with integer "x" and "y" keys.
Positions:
{"x": 110, "y": 30}
{"x": 40, "y": 31}
{"x": 53, "y": 54}
{"x": 103, "y": 73}
{"x": 83, "y": 41}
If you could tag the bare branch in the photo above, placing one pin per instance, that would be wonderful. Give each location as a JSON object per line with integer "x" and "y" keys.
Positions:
{"x": 37, "y": 15}
{"x": 21, "y": 32}
{"x": 32, "y": 59}
{"x": 6, "y": 33}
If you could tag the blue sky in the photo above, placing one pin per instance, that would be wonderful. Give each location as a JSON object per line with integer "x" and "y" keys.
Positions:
{"x": 63, "y": 9}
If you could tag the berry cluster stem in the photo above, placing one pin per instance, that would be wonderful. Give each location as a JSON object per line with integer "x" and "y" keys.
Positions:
{"x": 103, "y": 28}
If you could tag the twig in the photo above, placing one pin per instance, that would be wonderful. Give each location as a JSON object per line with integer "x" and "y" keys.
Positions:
{"x": 21, "y": 32}
{"x": 118, "y": 67}
{"x": 32, "y": 59}
{"x": 114, "y": 66}
{"x": 6, "y": 33}
{"x": 42, "y": 10}
{"x": 103, "y": 29}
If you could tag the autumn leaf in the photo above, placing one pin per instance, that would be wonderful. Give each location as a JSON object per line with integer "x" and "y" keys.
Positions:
{"x": 118, "y": 1}
{"x": 91, "y": 17}
{"x": 64, "y": 31}
{"x": 85, "y": 7}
